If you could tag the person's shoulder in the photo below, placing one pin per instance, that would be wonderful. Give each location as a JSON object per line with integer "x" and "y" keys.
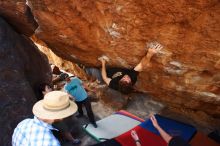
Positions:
{"x": 132, "y": 70}
{"x": 74, "y": 78}
{"x": 24, "y": 122}
{"x": 113, "y": 84}
{"x": 77, "y": 79}
{"x": 66, "y": 86}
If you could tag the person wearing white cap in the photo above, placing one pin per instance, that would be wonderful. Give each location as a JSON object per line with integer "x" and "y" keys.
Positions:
{"x": 55, "y": 106}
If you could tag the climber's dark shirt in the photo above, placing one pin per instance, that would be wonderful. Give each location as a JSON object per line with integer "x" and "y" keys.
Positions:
{"x": 117, "y": 73}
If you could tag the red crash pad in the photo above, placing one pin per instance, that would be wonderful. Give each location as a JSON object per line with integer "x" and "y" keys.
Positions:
{"x": 146, "y": 137}
{"x": 123, "y": 112}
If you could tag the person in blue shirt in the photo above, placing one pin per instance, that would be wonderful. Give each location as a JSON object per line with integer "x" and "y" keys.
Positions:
{"x": 75, "y": 88}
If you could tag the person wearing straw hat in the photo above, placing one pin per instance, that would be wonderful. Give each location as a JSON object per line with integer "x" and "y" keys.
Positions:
{"x": 55, "y": 106}
{"x": 64, "y": 134}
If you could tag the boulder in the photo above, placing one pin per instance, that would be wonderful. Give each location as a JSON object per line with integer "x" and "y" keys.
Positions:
{"x": 184, "y": 73}
{"x": 22, "y": 68}
{"x": 68, "y": 66}
{"x": 18, "y": 14}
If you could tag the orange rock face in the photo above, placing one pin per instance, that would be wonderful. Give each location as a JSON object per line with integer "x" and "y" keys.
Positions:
{"x": 59, "y": 62}
{"x": 186, "y": 72}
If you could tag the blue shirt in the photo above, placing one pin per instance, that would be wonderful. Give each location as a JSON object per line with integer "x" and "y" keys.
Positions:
{"x": 34, "y": 132}
{"x": 76, "y": 89}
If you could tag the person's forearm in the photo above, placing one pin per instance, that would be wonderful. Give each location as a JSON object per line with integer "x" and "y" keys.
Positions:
{"x": 148, "y": 57}
{"x": 86, "y": 87}
{"x": 163, "y": 134}
{"x": 104, "y": 74}
{"x": 138, "y": 143}
{"x": 145, "y": 61}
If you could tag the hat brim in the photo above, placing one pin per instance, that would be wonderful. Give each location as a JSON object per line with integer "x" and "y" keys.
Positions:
{"x": 40, "y": 112}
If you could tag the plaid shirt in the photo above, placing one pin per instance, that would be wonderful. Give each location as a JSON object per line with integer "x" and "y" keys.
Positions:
{"x": 34, "y": 132}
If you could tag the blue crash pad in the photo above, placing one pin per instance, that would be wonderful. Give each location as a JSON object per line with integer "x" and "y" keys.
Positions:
{"x": 173, "y": 127}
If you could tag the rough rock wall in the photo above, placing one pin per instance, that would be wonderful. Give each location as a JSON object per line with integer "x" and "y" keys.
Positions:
{"x": 22, "y": 67}
{"x": 18, "y": 14}
{"x": 61, "y": 63}
{"x": 184, "y": 73}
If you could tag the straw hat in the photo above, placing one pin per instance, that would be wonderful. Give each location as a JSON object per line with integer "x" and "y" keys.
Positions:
{"x": 55, "y": 105}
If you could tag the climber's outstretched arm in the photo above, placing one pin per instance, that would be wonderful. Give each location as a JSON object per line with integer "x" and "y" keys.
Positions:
{"x": 145, "y": 61}
{"x": 104, "y": 74}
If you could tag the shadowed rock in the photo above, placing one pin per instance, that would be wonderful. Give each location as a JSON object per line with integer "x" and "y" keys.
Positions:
{"x": 22, "y": 68}
{"x": 18, "y": 14}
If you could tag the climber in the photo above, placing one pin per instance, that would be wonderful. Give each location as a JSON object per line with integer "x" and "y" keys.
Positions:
{"x": 76, "y": 89}
{"x": 55, "y": 106}
{"x": 171, "y": 141}
{"x": 124, "y": 79}
{"x": 64, "y": 131}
